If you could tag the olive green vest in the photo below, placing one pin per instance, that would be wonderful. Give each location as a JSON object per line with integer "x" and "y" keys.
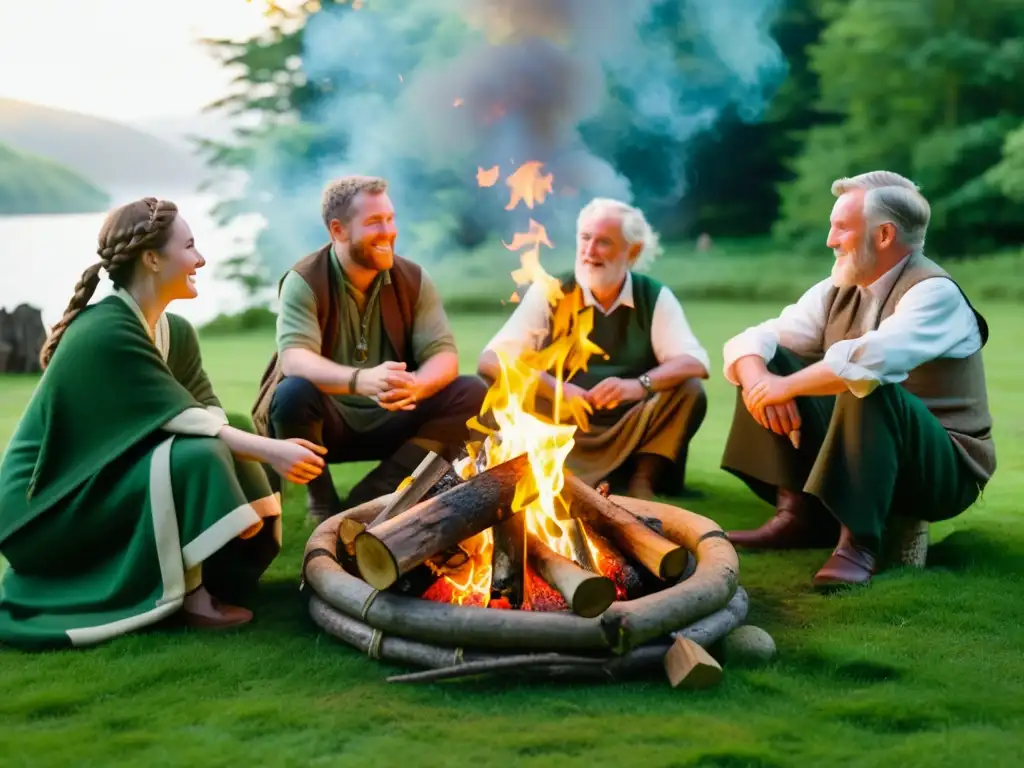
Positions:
{"x": 953, "y": 389}
{"x": 624, "y": 335}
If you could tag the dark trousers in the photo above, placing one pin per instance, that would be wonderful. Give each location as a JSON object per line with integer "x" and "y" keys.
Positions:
{"x": 299, "y": 409}
{"x": 863, "y": 459}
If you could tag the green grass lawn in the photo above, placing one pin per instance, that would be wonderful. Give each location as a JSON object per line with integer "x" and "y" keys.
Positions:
{"x": 920, "y": 669}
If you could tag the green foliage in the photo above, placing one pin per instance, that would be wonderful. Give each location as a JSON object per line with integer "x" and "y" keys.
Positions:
{"x": 30, "y": 184}
{"x": 1008, "y": 176}
{"x": 925, "y": 89}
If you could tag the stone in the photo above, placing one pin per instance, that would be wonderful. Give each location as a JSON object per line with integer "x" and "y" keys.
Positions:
{"x": 22, "y": 335}
{"x": 748, "y": 645}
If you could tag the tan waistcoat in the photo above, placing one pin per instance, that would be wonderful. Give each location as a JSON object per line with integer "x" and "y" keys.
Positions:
{"x": 953, "y": 389}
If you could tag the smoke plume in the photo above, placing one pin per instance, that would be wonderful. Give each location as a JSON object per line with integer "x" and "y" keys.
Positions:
{"x": 426, "y": 91}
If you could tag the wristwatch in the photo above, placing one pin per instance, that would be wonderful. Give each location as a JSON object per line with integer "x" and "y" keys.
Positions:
{"x": 645, "y": 382}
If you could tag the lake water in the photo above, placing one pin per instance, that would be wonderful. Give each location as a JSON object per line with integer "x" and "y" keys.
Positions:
{"x": 42, "y": 257}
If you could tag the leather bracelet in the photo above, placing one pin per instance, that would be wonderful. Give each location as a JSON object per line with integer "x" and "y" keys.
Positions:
{"x": 352, "y": 381}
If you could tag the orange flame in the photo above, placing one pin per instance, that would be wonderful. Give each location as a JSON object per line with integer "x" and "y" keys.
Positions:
{"x": 528, "y": 185}
{"x": 512, "y": 402}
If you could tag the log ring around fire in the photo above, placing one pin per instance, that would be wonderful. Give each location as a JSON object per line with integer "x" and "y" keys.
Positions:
{"x": 629, "y": 636}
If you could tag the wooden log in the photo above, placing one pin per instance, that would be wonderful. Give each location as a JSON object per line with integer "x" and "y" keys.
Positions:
{"x": 588, "y": 594}
{"x": 713, "y": 583}
{"x": 662, "y": 557}
{"x": 432, "y": 622}
{"x": 580, "y": 548}
{"x": 615, "y": 565}
{"x": 508, "y": 556}
{"x": 690, "y": 666}
{"x": 398, "y": 545}
{"x": 429, "y": 471}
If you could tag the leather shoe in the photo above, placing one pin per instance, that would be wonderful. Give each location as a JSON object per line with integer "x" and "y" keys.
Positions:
{"x": 849, "y": 565}
{"x": 216, "y": 615}
{"x": 790, "y": 528}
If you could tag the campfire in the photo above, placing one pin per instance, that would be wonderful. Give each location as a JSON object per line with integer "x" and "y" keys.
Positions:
{"x": 505, "y": 548}
{"x": 510, "y": 538}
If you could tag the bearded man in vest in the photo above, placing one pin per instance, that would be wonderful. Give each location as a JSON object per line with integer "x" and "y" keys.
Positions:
{"x": 876, "y": 374}
{"x": 366, "y": 363}
{"x": 645, "y": 399}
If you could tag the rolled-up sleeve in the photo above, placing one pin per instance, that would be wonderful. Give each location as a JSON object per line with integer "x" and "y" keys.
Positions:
{"x": 931, "y": 320}
{"x": 297, "y": 323}
{"x": 671, "y": 335}
{"x": 800, "y": 327}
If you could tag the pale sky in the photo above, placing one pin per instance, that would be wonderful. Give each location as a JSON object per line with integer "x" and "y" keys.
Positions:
{"x": 121, "y": 59}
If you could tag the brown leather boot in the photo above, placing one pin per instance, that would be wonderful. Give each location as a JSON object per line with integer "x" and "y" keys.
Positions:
{"x": 204, "y": 611}
{"x": 851, "y": 564}
{"x": 790, "y": 528}
{"x": 322, "y": 499}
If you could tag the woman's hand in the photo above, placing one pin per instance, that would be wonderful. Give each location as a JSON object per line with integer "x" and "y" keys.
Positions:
{"x": 296, "y": 459}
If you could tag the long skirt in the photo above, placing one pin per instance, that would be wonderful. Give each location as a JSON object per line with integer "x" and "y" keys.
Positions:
{"x": 112, "y": 557}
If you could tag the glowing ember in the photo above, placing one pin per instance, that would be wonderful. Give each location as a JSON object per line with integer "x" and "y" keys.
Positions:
{"x": 489, "y": 177}
{"x": 457, "y": 103}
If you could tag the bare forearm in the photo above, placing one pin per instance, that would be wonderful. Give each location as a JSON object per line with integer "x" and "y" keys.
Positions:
{"x": 244, "y": 445}
{"x": 326, "y": 375}
{"x": 816, "y": 380}
{"x": 437, "y": 373}
{"x": 675, "y": 371}
{"x": 749, "y": 370}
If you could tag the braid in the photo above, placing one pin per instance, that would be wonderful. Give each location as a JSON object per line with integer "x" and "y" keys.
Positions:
{"x": 126, "y": 233}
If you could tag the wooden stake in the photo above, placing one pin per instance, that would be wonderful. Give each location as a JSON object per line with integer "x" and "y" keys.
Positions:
{"x": 429, "y": 471}
{"x": 690, "y": 666}
{"x": 587, "y": 593}
{"x": 662, "y": 557}
{"x": 396, "y": 546}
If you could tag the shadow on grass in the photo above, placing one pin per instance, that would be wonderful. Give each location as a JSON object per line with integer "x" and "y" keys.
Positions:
{"x": 975, "y": 549}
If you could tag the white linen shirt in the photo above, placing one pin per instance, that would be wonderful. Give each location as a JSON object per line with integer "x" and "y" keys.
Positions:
{"x": 931, "y": 320}
{"x": 671, "y": 335}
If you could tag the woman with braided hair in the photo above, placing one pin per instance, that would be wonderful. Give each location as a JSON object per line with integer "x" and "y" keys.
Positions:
{"x": 125, "y": 496}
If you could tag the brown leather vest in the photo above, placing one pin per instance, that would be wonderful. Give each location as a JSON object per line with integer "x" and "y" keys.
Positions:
{"x": 397, "y": 306}
{"x": 953, "y": 389}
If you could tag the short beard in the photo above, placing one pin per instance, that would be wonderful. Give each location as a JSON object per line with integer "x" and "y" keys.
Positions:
{"x": 358, "y": 254}
{"x": 848, "y": 273}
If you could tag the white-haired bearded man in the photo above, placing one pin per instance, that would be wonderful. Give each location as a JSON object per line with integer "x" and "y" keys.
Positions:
{"x": 879, "y": 370}
{"x": 646, "y": 398}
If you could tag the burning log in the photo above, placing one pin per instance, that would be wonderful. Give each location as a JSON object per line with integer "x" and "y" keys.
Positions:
{"x": 587, "y": 593}
{"x": 662, "y": 557}
{"x": 615, "y": 566}
{"x": 398, "y": 545}
{"x": 430, "y": 473}
{"x": 508, "y": 561}
{"x": 431, "y": 622}
{"x": 580, "y": 548}
{"x": 713, "y": 583}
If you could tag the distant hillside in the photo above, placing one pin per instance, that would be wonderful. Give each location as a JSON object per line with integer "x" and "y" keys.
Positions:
{"x": 117, "y": 157}
{"x": 30, "y": 184}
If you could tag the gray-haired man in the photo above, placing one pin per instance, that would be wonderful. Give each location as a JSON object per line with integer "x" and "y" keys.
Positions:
{"x": 879, "y": 370}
